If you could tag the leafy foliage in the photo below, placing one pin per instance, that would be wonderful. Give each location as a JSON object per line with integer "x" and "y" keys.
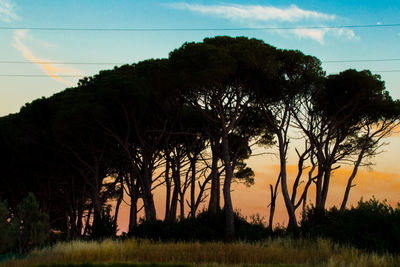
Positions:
{"x": 105, "y": 226}
{"x": 131, "y": 129}
{"x": 205, "y": 227}
{"x": 8, "y": 229}
{"x": 371, "y": 225}
{"x": 28, "y": 227}
{"x": 34, "y": 224}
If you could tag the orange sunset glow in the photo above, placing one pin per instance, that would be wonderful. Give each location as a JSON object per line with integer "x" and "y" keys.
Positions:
{"x": 255, "y": 199}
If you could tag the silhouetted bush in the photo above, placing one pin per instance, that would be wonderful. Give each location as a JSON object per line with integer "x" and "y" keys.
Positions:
{"x": 33, "y": 224}
{"x": 205, "y": 227}
{"x": 25, "y": 229}
{"x": 104, "y": 226}
{"x": 371, "y": 225}
{"x": 8, "y": 229}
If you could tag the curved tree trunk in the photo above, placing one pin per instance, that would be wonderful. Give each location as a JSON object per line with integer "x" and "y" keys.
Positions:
{"x": 274, "y": 193}
{"x": 229, "y": 217}
{"x": 350, "y": 180}
{"x": 283, "y": 174}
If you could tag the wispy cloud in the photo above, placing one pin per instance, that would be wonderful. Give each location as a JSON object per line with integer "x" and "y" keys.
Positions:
{"x": 7, "y": 13}
{"x": 315, "y": 34}
{"x": 54, "y": 71}
{"x": 319, "y": 34}
{"x": 256, "y": 14}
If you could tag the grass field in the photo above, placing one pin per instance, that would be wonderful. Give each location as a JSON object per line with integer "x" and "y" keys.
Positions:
{"x": 279, "y": 252}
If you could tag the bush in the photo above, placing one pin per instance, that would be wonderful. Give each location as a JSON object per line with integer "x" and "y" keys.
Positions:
{"x": 25, "y": 229}
{"x": 371, "y": 225}
{"x": 33, "y": 224}
{"x": 104, "y": 226}
{"x": 8, "y": 229}
{"x": 205, "y": 227}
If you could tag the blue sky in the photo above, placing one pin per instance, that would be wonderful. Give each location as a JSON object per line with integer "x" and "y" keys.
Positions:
{"x": 93, "y": 46}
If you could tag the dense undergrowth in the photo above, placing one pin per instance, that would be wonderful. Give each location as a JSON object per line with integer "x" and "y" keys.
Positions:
{"x": 372, "y": 225}
{"x": 205, "y": 227}
{"x": 365, "y": 235}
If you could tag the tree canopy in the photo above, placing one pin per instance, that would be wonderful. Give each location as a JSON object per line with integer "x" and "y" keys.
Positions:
{"x": 189, "y": 122}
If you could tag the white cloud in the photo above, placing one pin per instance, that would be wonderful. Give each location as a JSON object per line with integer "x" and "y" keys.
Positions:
{"x": 320, "y": 34}
{"x": 255, "y": 12}
{"x": 258, "y": 14}
{"x": 7, "y": 13}
{"x": 314, "y": 34}
{"x": 344, "y": 33}
{"x": 54, "y": 71}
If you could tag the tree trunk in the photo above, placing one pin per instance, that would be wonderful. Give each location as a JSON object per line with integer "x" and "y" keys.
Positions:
{"x": 303, "y": 209}
{"x": 148, "y": 201}
{"x": 182, "y": 205}
{"x": 274, "y": 193}
{"x": 325, "y": 187}
{"x": 133, "y": 214}
{"x": 229, "y": 217}
{"x": 175, "y": 193}
{"x": 79, "y": 224}
{"x": 350, "y": 180}
{"x": 96, "y": 203}
{"x": 318, "y": 189}
{"x": 147, "y": 196}
{"x": 214, "y": 204}
{"x": 288, "y": 203}
{"x": 87, "y": 223}
{"x": 193, "y": 187}
{"x": 68, "y": 227}
{"x": 168, "y": 189}
{"x": 119, "y": 200}
{"x": 174, "y": 205}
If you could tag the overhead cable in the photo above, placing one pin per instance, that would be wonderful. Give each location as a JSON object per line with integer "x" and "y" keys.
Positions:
{"x": 121, "y": 63}
{"x": 197, "y": 29}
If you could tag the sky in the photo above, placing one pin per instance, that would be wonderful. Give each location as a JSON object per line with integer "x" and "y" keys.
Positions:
{"x": 37, "y": 54}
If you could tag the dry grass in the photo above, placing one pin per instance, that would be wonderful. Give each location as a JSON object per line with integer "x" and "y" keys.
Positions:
{"x": 281, "y": 251}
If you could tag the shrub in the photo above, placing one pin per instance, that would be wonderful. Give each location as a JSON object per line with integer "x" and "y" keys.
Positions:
{"x": 205, "y": 227}
{"x": 371, "y": 225}
{"x": 24, "y": 230}
{"x": 104, "y": 226}
{"x": 8, "y": 229}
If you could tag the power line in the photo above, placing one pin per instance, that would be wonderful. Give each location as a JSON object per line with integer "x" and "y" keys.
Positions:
{"x": 121, "y": 63}
{"x": 358, "y": 60}
{"x": 385, "y": 71}
{"x": 198, "y": 29}
{"x": 59, "y": 62}
{"x": 39, "y": 75}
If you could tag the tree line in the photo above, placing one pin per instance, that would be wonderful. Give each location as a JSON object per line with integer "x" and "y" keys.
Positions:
{"x": 188, "y": 124}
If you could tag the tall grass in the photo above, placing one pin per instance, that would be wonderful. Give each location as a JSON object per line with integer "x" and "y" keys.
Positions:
{"x": 280, "y": 251}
